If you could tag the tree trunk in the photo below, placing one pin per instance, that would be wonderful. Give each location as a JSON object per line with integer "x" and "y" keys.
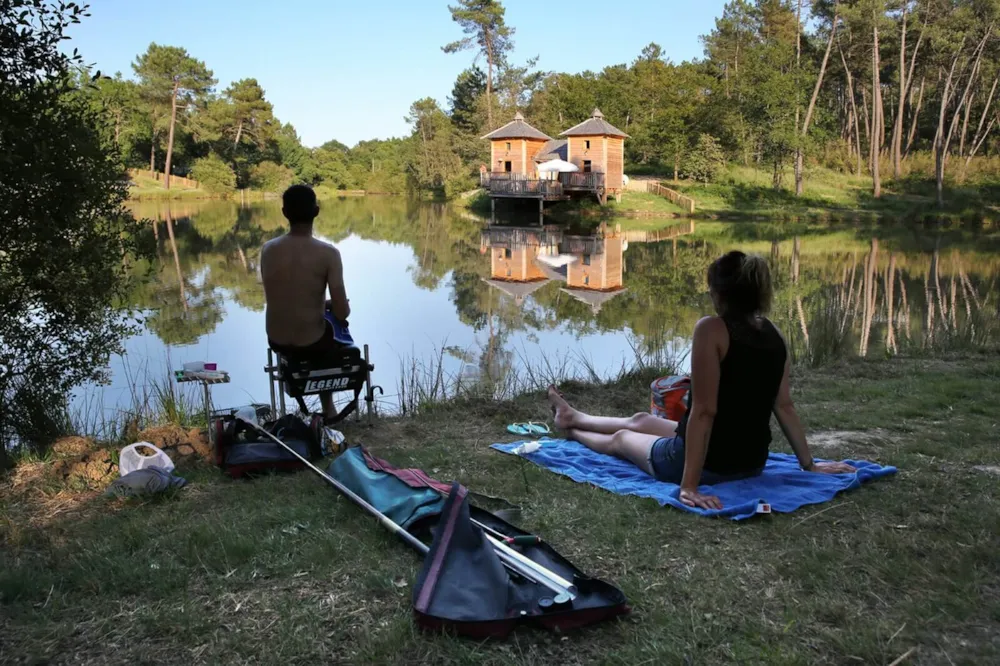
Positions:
{"x": 798, "y": 107}
{"x": 854, "y": 111}
{"x": 152, "y": 155}
{"x": 868, "y": 120}
{"x": 897, "y": 127}
{"x": 965, "y": 126}
{"x": 876, "y": 145}
{"x": 170, "y": 138}
{"x": 489, "y": 83}
{"x": 239, "y": 133}
{"x": 677, "y": 166}
{"x": 815, "y": 96}
{"x": 941, "y": 140}
{"x": 913, "y": 122}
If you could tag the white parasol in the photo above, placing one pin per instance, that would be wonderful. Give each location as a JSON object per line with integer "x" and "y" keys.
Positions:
{"x": 562, "y": 166}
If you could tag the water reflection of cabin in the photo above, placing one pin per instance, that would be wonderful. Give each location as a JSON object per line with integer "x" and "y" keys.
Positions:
{"x": 522, "y": 260}
{"x": 595, "y": 146}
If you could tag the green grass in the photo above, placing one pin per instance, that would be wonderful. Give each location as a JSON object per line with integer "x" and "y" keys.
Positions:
{"x": 282, "y": 570}
{"x": 747, "y": 193}
{"x": 637, "y": 204}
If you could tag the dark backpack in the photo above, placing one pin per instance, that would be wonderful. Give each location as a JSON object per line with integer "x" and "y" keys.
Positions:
{"x": 241, "y": 450}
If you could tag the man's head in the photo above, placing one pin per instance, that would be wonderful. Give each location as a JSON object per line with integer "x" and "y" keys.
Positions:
{"x": 298, "y": 204}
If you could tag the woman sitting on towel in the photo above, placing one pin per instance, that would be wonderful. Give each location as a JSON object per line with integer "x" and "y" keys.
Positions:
{"x": 739, "y": 376}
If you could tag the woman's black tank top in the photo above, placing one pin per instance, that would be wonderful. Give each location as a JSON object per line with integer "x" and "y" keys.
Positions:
{"x": 749, "y": 381}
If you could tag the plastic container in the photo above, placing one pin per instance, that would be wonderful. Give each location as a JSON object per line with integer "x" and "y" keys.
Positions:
{"x": 247, "y": 413}
{"x": 194, "y": 366}
{"x": 130, "y": 459}
{"x": 527, "y": 447}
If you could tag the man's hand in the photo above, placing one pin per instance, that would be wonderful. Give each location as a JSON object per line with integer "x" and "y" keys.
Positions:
{"x": 696, "y": 499}
{"x": 832, "y": 468}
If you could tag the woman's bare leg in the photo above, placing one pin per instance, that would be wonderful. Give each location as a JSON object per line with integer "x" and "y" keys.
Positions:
{"x": 625, "y": 444}
{"x": 568, "y": 418}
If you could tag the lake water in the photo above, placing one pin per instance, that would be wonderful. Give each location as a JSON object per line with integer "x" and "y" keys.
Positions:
{"x": 438, "y": 292}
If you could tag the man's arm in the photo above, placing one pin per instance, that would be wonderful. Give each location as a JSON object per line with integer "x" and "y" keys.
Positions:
{"x": 339, "y": 305}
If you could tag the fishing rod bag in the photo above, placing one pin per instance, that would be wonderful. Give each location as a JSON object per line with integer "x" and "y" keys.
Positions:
{"x": 463, "y": 587}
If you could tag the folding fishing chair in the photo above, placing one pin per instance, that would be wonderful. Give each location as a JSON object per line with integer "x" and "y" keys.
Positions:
{"x": 344, "y": 369}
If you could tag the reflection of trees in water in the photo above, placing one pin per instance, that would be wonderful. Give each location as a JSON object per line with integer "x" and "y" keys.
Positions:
{"x": 883, "y": 302}
{"x": 836, "y": 294}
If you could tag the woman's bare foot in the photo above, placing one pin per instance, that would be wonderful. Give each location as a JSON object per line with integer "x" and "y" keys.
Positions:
{"x": 563, "y": 415}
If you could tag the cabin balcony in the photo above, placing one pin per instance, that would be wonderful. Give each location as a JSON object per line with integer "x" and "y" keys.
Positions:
{"x": 521, "y": 186}
{"x": 582, "y": 181}
{"x": 527, "y": 186}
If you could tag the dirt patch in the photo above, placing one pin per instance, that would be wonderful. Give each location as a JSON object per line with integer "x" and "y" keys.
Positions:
{"x": 183, "y": 446}
{"x": 73, "y": 446}
{"x": 94, "y": 470}
{"x": 988, "y": 469}
{"x": 832, "y": 439}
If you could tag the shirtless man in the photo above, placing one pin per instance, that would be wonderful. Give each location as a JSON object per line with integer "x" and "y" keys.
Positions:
{"x": 296, "y": 270}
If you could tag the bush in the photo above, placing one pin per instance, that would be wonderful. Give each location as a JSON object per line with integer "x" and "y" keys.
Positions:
{"x": 67, "y": 241}
{"x": 706, "y": 160}
{"x": 214, "y": 175}
{"x": 271, "y": 177}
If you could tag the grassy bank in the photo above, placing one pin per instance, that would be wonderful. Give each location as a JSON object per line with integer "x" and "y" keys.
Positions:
{"x": 747, "y": 193}
{"x": 282, "y": 570}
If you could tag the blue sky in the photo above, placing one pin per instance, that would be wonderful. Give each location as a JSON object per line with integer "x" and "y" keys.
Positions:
{"x": 349, "y": 70}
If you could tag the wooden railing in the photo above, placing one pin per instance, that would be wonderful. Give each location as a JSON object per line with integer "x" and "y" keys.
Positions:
{"x": 687, "y": 203}
{"x": 579, "y": 180}
{"x": 496, "y": 181}
{"x": 520, "y": 185}
{"x": 178, "y": 181}
{"x": 582, "y": 245}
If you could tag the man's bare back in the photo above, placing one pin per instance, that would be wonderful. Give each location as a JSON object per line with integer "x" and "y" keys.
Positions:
{"x": 296, "y": 270}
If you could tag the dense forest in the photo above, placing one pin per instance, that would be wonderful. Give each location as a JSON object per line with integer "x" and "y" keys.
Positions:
{"x": 887, "y": 89}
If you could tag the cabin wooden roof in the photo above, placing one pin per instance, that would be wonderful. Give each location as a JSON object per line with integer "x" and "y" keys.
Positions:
{"x": 517, "y": 129}
{"x": 596, "y": 125}
{"x": 592, "y": 297}
{"x": 518, "y": 290}
{"x": 555, "y": 149}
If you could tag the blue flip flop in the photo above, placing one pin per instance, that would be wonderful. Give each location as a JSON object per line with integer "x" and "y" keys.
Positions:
{"x": 518, "y": 429}
{"x": 538, "y": 428}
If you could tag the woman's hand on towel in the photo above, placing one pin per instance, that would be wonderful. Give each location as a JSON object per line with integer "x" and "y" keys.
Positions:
{"x": 696, "y": 499}
{"x": 832, "y": 468}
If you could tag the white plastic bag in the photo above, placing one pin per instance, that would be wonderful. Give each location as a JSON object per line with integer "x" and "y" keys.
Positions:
{"x": 130, "y": 459}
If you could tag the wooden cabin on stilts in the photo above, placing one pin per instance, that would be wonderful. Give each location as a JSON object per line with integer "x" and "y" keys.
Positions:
{"x": 595, "y": 147}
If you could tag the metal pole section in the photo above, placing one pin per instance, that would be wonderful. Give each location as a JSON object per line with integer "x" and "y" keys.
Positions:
{"x": 208, "y": 412}
{"x": 369, "y": 394}
{"x": 543, "y": 576}
{"x": 270, "y": 379}
{"x": 411, "y": 540}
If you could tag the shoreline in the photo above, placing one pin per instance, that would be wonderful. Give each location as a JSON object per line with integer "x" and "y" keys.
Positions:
{"x": 274, "y": 544}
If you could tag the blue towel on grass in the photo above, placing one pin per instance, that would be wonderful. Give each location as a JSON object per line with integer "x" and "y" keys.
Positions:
{"x": 782, "y": 485}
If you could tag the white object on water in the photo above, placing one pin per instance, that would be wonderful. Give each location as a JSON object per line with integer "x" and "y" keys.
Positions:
{"x": 130, "y": 459}
{"x": 527, "y": 447}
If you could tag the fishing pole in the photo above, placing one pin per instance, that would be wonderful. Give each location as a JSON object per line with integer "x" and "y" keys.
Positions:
{"x": 510, "y": 558}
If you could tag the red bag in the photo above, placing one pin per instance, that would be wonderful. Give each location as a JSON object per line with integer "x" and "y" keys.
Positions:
{"x": 669, "y": 397}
